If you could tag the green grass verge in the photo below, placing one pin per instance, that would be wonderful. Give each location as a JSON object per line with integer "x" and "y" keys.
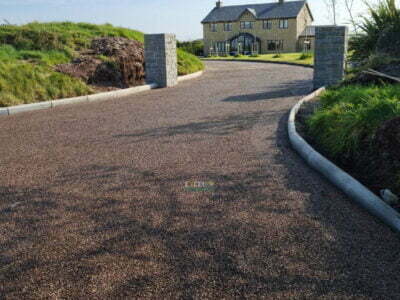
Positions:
{"x": 350, "y": 115}
{"x": 295, "y": 58}
{"x": 188, "y": 63}
{"x": 29, "y": 52}
{"x": 65, "y": 36}
{"x": 22, "y": 83}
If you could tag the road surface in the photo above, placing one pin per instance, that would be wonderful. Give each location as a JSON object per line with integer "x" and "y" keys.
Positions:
{"x": 94, "y": 204}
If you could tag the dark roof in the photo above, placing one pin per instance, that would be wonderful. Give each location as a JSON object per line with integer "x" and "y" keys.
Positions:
{"x": 289, "y": 9}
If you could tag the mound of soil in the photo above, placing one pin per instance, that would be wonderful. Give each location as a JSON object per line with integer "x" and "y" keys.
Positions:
{"x": 387, "y": 138}
{"x": 83, "y": 67}
{"x": 383, "y": 160}
{"x": 123, "y": 66}
{"x": 392, "y": 69}
{"x": 377, "y": 166}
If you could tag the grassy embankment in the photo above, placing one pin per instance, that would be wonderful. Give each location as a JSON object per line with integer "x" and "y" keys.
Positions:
{"x": 350, "y": 126}
{"x": 349, "y": 116}
{"x": 28, "y": 54}
{"x": 347, "y": 127}
{"x": 188, "y": 63}
{"x": 295, "y": 58}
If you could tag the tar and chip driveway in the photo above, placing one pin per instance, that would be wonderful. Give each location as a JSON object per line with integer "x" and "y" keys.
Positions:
{"x": 93, "y": 201}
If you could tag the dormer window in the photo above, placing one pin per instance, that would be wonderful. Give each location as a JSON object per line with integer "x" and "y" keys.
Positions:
{"x": 283, "y": 24}
{"x": 246, "y": 25}
{"x": 213, "y": 27}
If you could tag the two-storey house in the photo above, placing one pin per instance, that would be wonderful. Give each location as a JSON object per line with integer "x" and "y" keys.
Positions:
{"x": 260, "y": 28}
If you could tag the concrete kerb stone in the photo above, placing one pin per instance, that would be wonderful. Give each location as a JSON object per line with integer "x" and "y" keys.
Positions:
{"x": 4, "y": 111}
{"x": 102, "y": 96}
{"x": 190, "y": 76}
{"x": 350, "y": 186}
{"x": 67, "y": 101}
{"x": 89, "y": 98}
{"x": 28, "y": 107}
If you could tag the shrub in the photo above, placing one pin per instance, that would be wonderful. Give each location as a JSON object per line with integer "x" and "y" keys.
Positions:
{"x": 380, "y": 32}
{"x": 305, "y": 56}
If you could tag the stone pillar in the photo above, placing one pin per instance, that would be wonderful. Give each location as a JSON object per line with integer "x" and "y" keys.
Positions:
{"x": 161, "y": 59}
{"x": 330, "y": 55}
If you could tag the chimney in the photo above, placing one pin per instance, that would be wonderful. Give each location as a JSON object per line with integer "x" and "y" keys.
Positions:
{"x": 219, "y": 4}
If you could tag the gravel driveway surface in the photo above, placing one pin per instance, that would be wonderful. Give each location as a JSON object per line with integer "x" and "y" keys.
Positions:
{"x": 93, "y": 202}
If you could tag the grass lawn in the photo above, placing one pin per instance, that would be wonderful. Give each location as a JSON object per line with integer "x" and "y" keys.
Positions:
{"x": 295, "y": 58}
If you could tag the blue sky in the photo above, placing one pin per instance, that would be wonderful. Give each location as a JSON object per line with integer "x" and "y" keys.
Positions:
{"x": 182, "y": 17}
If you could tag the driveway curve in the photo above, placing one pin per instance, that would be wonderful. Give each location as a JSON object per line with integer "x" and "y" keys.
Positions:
{"x": 93, "y": 201}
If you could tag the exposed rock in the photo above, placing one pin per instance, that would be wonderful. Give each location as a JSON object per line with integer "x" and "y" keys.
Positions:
{"x": 389, "y": 197}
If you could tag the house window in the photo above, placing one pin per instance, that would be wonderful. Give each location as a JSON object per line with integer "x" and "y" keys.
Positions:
{"x": 273, "y": 45}
{"x": 283, "y": 23}
{"x": 220, "y": 47}
{"x": 267, "y": 24}
{"x": 213, "y": 27}
{"x": 246, "y": 25}
{"x": 228, "y": 27}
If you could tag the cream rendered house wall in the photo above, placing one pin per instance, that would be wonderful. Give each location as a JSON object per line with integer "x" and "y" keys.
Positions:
{"x": 289, "y": 36}
{"x": 304, "y": 19}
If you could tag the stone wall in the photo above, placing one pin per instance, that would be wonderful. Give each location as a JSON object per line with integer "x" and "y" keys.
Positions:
{"x": 330, "y": 55}
{"x": 161, "y": 59}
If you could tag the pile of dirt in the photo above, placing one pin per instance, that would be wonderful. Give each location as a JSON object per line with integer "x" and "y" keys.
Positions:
{"x": 110, "y": 62}
{"x": 83, "y": 67}
{"x": 392, "y": 69}
{"x": 377, "y": 166}
{"x": 387, "y": 138}
{"x": 380, "y": 167}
